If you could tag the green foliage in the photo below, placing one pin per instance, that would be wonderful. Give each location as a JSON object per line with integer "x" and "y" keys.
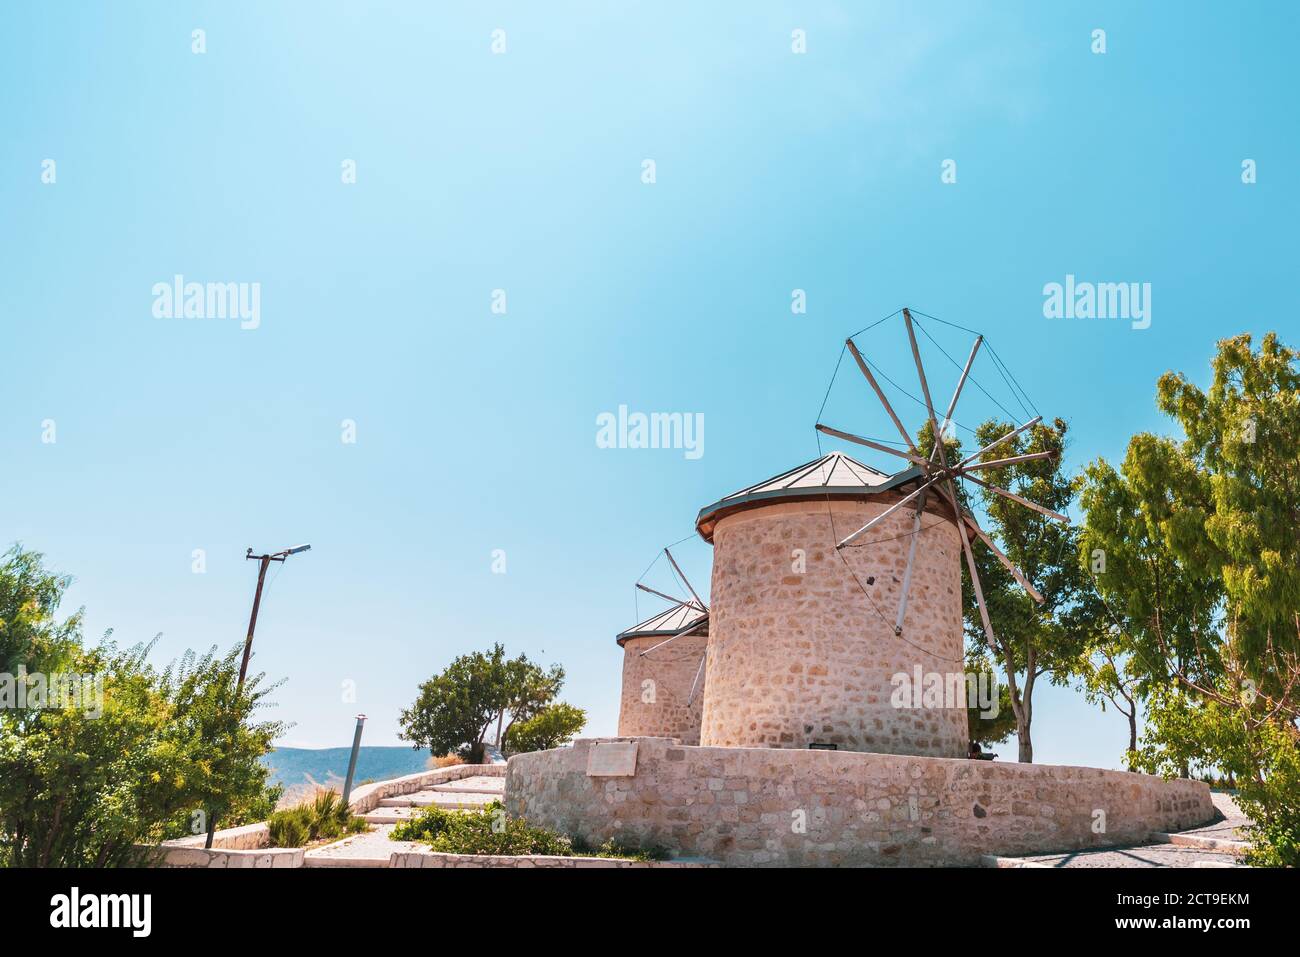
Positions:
{"x": 84, "y": 787}
{"x": 991, "y": 730}
{"x": 1202, "y": 581}
{"x": 488, "y": 831}
{"x": 1243, "y": 435}
{"x": 1262, "y": 756}
{"x": 1031, "y": 640}
{"x": 456, "y": 710}
{"x": 552, "y": 727}
{"x": 30, "y": 634}
{"x": 491, "y": 831}
{"x": 324, "y": 818}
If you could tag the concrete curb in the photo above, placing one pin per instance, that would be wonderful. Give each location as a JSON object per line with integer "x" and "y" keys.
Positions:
{"x": 992, "y": 860}
{"x": 1204, "y": 843}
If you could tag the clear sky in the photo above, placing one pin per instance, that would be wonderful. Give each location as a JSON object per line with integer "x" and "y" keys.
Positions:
{"x": 522, "y": 171}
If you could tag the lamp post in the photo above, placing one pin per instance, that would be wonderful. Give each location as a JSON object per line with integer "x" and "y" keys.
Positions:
{"x": 352, "y": 761}
{"x": 263, "y": 562}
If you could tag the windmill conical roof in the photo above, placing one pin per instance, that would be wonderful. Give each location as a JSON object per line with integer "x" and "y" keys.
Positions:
{"x": 833, "y": 475}
{"x": 668, "y": 622}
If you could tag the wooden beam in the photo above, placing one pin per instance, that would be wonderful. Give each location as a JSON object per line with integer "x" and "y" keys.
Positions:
{"x": 970, "y": 564}
{"x": 994, "y": 444}
{"x": 675, "y": 601}
{"x": 925, "y": 386}
{"x": 685, "y": 631}
{"x": 1007, "y": 562}
{"x": 681, "y": 573}
{"x": 866, "y": 371}
{"x": 1013, "y": 460}
{"x": 911, "y": 558}
{"x": 850, "y": 437}
{"x": 1016, "y": 498}
{"x": 891, "y": 510}
{"x": 690, "y": 699}
{"x": 962, "y": 381}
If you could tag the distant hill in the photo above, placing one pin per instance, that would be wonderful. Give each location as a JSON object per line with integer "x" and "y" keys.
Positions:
{"x": 301, "y": 770}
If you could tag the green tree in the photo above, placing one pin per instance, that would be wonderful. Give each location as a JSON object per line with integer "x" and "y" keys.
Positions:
{"x": 89, "y": 781}
{"x": 455, "y": 710}
{"x": 552, "y": 727}
{"x": 988, "y": 729}
{"x": 1203, "y": 574}
{"x": 1031, "y": 640}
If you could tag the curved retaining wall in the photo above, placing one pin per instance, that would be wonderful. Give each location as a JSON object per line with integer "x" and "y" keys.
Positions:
{"x": 802, "y": 657}
{"x": 763, "y": 806}
{"x": 672, "y": 669}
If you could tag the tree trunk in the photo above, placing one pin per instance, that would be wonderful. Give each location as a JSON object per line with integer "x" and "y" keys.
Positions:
{"x": 1026, "y": 743}
{"x": 1133, "y": 731}
{"x": 1025, "y": 713}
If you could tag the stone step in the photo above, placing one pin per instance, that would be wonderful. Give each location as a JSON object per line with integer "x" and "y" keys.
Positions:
{"x": 445, "y": 799}
{"x": 1220, "y": 844}
{"x": 373, "y": 848}
{"x": 395, "y": 815}
{"x": 481, "y": 784}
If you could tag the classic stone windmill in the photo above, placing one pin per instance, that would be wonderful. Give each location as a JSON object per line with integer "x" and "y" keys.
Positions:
{"x": 663, "y": 667}
{"x": 936, "y": 475}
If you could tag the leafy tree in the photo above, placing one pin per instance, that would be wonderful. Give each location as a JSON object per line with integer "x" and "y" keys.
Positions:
{"x": 552, "y": 727}
{"x": 1244, "y": 436}
{"x": 1203, "y": 571}
{"x": 1030, "y": 640}
{"x": 88, "y": 783}
{"x": 1156, "y": 590}
{"x": 456, "y": 709}
{"x": 1260, "y": 753}
{"x": 996, "y": 728}
{"x": 30, "y": 634}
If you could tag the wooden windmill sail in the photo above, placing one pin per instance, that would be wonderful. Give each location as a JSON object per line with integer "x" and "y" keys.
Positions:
{"x": 687, "y": 616}
{"x": 936, "y": 475}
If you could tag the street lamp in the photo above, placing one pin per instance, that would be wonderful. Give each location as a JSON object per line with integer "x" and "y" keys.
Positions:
{"x": 263, "y": 562}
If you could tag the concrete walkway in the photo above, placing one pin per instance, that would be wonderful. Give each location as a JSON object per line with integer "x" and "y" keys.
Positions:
{"x": 374, "y": 848}
{"x": 1215, "y": 845}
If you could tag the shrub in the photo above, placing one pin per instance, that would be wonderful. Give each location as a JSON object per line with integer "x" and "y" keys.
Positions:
{"x": 446, "y": 761}
{"x": 324, "y": 817}
{"x": 91, "y": 782}
{"x": 552, "y": 727}
{"x": 490, "y": 831}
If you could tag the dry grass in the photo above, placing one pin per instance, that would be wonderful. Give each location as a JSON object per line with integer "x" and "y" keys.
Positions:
{"x": 446, "y": 761}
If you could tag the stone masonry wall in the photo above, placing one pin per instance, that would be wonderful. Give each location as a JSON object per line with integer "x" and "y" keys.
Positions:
{"x": 745, "y": 806}
{"x": 803, "y": 657}
{"x": 672, "y": 669}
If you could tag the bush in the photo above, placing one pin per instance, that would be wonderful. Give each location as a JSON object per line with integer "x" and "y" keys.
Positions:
{"x": 490, "y": 831}
{"x": 325, "y": 817}
{"x": 552, "y": 727}
{"x": 446, "y": 761}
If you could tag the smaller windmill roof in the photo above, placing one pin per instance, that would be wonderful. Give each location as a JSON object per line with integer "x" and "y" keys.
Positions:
{"x": 669, "y": 622}
{"x": 834, "y": 474}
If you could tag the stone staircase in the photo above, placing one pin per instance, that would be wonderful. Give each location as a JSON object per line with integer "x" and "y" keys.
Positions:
{"x": 375, "y": 848}
{"x": 467, "y": 794}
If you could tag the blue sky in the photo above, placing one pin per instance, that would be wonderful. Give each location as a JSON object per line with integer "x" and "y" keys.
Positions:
{"x": 522, "y": 171}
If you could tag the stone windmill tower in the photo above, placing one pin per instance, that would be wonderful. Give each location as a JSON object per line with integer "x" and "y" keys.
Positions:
{"x": 663, "y": 669}
{"x": 826, "y": 586}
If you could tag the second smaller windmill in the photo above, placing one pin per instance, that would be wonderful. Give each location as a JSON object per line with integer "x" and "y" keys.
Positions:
{"x": 663, "y": 666}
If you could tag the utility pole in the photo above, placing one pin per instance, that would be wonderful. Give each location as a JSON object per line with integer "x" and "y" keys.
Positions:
{"x": 263, "y": 562}
{"x": 352, "y": 761}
